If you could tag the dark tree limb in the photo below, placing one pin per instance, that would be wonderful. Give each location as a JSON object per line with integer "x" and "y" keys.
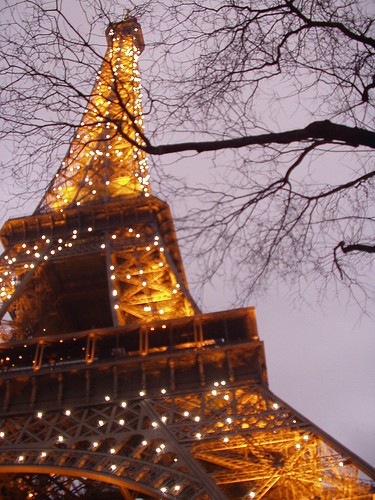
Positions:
{"x": 356, "y": 247}
{"x": 326, "y": 131}
{"x": 365, "y": 94}
{"x": 358, "y": 37}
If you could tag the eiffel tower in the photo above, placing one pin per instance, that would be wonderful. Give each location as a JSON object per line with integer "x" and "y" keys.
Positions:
{"x": 112, "y": 383}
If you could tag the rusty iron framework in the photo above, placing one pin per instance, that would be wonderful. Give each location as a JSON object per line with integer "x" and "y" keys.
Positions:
{"x": 112, "y": 383}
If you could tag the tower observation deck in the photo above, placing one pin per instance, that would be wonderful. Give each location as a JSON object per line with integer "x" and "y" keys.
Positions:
{"x": 112, "y": 382}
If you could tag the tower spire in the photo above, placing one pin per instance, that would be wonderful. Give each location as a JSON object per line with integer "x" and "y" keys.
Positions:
{"x": 105, "y": 160}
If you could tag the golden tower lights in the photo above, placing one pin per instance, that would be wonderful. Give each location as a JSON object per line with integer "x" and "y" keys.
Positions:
{"x": 98, "y": 230}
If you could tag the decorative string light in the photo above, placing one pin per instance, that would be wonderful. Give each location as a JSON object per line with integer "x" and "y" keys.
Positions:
{"x": 121, "y": 59}
{"x": 80, "y": 181}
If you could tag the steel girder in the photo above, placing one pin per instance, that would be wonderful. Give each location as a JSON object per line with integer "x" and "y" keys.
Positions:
{"x": 228, "y": 441}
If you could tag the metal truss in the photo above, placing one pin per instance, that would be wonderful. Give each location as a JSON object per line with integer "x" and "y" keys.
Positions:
{"x": 144, "y": 278}
{"x": 231, "y": 441}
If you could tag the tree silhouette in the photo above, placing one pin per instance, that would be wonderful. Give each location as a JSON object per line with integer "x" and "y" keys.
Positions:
{"x": 277, "y": 95}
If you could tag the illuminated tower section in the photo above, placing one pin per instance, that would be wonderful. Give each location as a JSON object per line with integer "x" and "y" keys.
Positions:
{"x": 99, "y": 243}
{"x": 104, "y": 160}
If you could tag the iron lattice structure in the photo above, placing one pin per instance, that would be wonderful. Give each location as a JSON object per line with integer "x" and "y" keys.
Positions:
{"x": 112, "y": 382}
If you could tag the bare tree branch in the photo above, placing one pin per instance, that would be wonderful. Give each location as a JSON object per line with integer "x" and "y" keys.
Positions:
{"x": 357, "y": 247}
{"x": 276, "y": 97}
{"x": 320, "y": 130}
